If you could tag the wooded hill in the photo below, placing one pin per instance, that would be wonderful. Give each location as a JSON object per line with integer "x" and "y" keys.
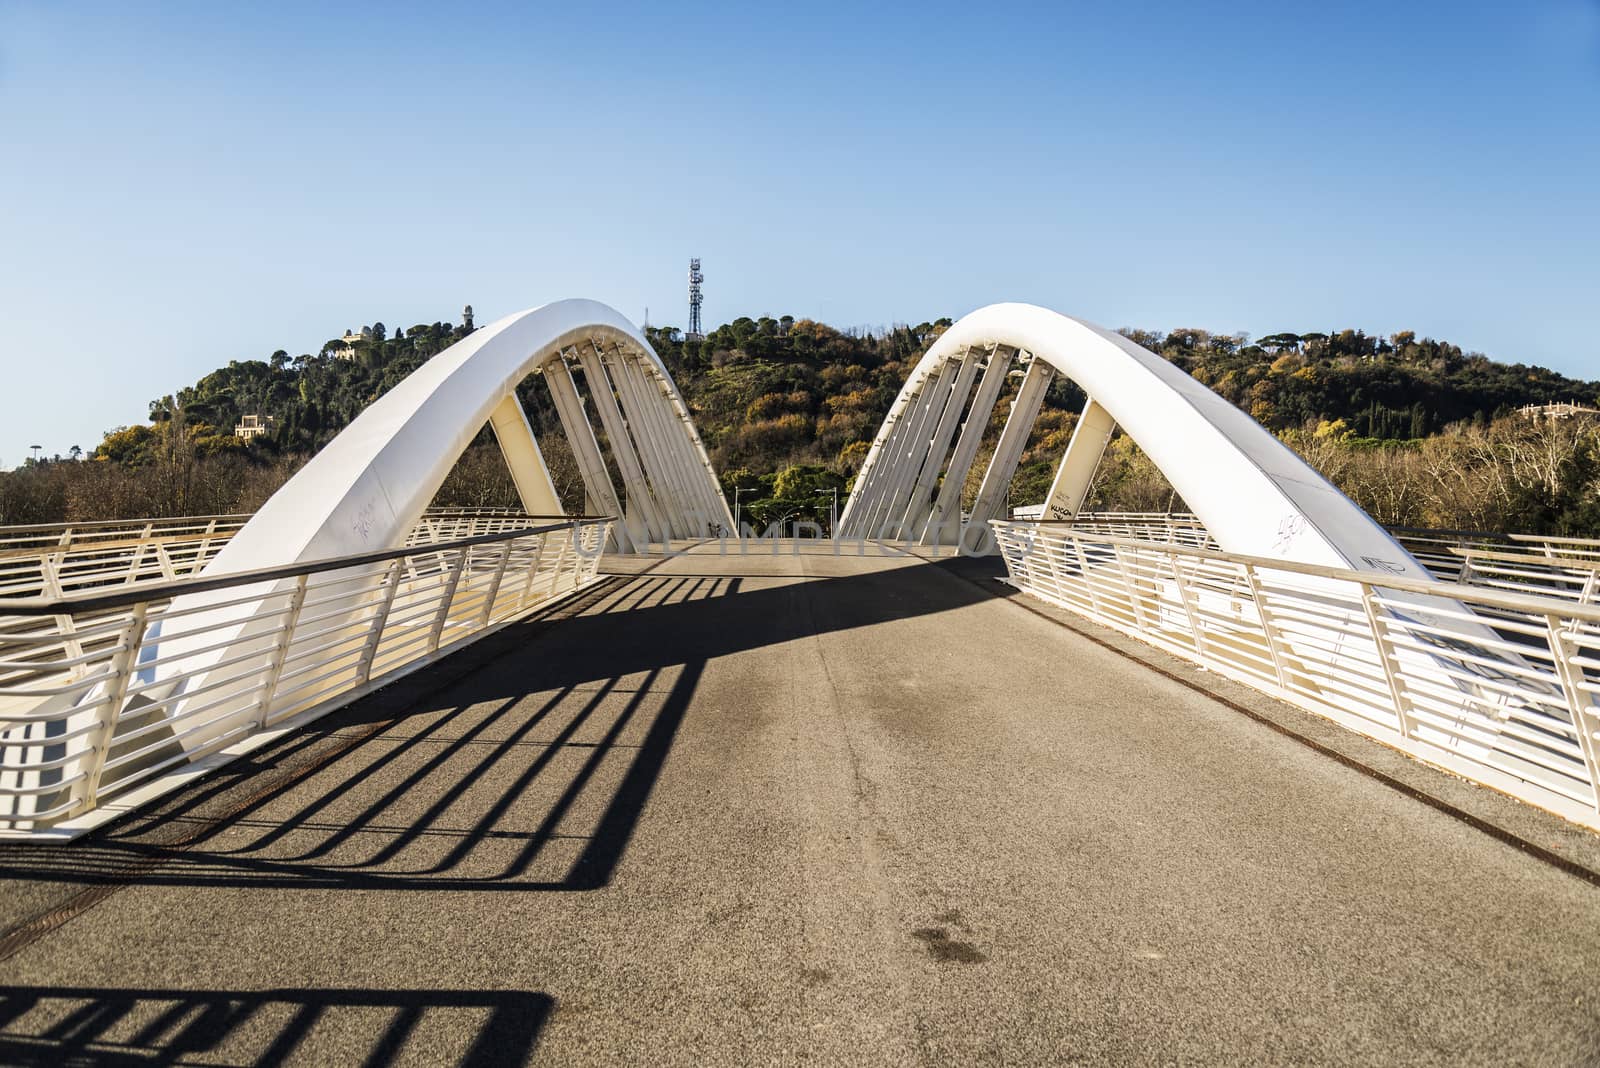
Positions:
{"x": 767, "y": 393}
{"x": 776, "y": 395}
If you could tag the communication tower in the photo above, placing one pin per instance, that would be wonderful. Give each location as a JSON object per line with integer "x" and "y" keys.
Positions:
{"x": 695, "y": 278}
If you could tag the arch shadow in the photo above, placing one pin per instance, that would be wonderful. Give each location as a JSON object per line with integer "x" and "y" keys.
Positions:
{"x": 477, "y": 774}
{"x": 52, "y": 1026}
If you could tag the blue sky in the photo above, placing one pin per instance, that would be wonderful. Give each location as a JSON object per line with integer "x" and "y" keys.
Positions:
{"x": 185, "y": 184}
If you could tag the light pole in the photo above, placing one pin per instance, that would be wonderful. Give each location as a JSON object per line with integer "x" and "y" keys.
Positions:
{"x": 833, "y": 510}
{"x": 738, "y": 529}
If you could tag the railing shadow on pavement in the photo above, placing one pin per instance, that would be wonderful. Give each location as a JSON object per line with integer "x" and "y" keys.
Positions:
{"x": 49, "y": 1026}
{"x": 523, "y": 763}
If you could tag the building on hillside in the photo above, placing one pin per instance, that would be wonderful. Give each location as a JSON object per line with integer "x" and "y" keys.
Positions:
{"x": 347, "y": 343}
{"x": 253, "y": 426}
{"x": 1559, "y": 410}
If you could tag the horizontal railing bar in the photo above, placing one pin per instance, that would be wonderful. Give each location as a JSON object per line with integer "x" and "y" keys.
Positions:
{"x": 42, "y": 529}
{"x": 1446, "y": 590}
{"x": 75, "y": 603}
{"x": 1493, "y": 678}
{"x": 54, "y": 739}
{"x": 187, "y": 756}
{"x": 1492, "y": 535}
{"x": 197, "y": 522}
{"x": 363, "y": 618}
{"x": 81, "y": 554}
{"x": 37, "y": 791}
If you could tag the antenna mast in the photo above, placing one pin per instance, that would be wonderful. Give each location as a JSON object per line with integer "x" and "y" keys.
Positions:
{"x": 695, "y": 278}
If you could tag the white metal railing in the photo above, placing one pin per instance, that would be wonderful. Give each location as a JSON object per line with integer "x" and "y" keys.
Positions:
{"x": 1568, "y": 568}
{"x": 1495, "y": 685}
{"x": 40, "y": 536}
{"x": 55, "y": 559}
{"x": 59, "y": 558}
{"x": 1522, "y": 563}
{"x": 1184, "y": 528}
{"x": 440, "y": 524}
{"x": 118, "y": 693}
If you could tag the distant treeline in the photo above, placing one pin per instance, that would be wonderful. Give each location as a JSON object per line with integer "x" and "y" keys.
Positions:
{"x": 1416, "y": 430}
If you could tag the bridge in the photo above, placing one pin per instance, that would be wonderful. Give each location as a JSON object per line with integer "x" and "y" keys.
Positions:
{"x": 355, "y": 779}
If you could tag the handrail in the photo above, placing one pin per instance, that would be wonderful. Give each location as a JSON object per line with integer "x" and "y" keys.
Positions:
{"x": 1435, "y": 588}
{"x": 1512, "y": 553}
{"x": 1494, "y": 684}
{"x": 191, "y": 525}
{"x": 132, "y": 541}
{"x": 125, "y": 691}
{"x": 95, "y": 524}
{"x": 1496, "y": 535}
{"x": 73, "y": 604}
{"x": 455, "y": 511}
{"x": 1419, "y": 532}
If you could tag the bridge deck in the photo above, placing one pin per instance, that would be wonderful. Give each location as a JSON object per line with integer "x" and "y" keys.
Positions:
{"x": 774, "y": 809}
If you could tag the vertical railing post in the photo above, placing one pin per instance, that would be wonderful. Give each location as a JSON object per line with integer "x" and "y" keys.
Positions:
{"x": 588, "y": 563}
{"x": 1016, "y": 552}
{"x": 1083, "y": 575}
{"x": 1189, "y": 611}
{"x": 1269, "y": 627}
{"x": 561, "y": 560}
{"x": 123, "y": 662}
{"x": 539, "y": 542}
{"x": 200, "y": 552}
{"x": 447, "y": 596}
{"x": 1405, "y": 723}
{"x": 1006, "y": 544}
{"x": 1067, "y": 555}
{"x": 137, "y": 560}
{"x": 369, "y": 649}
{"x": 164, "y": 561}
{"x": 1586, "y": 595}
{"x": 1135, "y": 604}
{"x": 50, "y": 580}
{"x": 494, "y": 583}
{"x": 1053, "y": 553}
{"x": 280, "y": 651}
{"x": 1035, "y": 558}
{"x": 1563, "y": 651}
{"x": 591, "y": 560}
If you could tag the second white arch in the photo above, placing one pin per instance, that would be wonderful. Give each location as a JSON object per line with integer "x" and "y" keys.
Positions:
{"x": 1252, "y": 492}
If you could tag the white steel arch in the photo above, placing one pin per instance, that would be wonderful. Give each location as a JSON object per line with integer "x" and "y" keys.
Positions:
{"x": 370, "y": 485}
{"x": 1252, "y": 493}
{"x": 1250, "y": 490}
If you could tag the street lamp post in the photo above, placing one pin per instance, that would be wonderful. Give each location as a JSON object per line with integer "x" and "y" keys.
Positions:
{"x": 738, "y": 529}
{"x": 833, "y": 512}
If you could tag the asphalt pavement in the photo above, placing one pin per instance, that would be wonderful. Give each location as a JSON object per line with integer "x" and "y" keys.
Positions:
{"x": 804, "y": 809}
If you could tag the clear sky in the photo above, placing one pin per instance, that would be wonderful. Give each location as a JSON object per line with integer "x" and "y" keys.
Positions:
{"x": 184, "y": 184}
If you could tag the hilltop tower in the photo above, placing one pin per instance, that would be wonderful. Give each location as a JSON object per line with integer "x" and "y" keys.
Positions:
{"x": 694, "y": 332}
